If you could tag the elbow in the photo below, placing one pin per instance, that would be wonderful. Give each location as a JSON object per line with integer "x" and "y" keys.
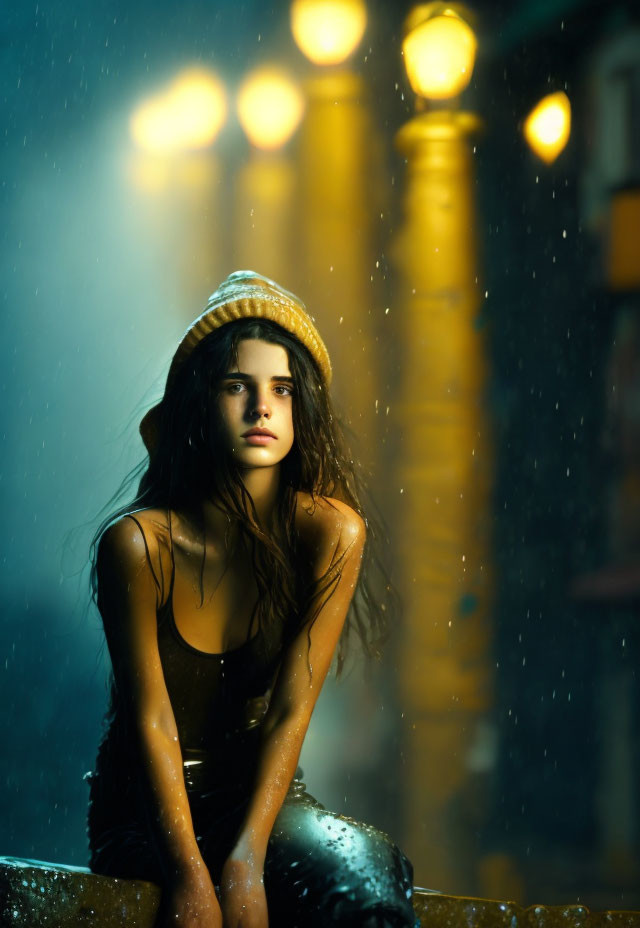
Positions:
{"x": 292, "y": 721}
{"x": 154, "y": 725}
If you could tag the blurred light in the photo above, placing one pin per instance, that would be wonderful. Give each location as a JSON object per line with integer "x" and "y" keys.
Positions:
{"x": 328, "y": 31}
{"x": 148, "y": 172}
{"x": 548, "y": 126}
{"x": 439, "y": 51}
{"x": 623, "y": 241}
{"x": 270, "y": 107}
{"x": 188, "y": 115}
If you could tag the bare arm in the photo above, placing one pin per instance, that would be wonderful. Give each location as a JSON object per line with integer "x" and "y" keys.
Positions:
{"x": 340, "y": 545}
{"x": 127, "y": 597}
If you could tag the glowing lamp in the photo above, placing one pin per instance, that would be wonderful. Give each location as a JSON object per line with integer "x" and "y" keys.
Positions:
{"x": 270, "y": 107}
{"x": 548, "y": 126}
{"x": 328, "y": 31}
{"x": 188, "y": 115}
{"x": 439, "y": 51}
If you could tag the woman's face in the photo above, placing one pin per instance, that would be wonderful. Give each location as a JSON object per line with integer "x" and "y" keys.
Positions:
{"x": 256, "y": 397}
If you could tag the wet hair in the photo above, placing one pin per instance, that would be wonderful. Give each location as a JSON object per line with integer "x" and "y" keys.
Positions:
{"x": 191, "y": 462}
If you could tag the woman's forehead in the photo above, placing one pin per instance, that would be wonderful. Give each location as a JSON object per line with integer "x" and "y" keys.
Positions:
{"x": 258, "y": 357}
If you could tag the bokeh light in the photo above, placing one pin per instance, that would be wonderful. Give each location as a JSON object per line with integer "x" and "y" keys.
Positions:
{"x": 328, "y": 31}
{"x": 548, "y": 126}
{"x": 188, "y": 115}
{"x": 270, "y": 107}
{"x": 439, "y": 53}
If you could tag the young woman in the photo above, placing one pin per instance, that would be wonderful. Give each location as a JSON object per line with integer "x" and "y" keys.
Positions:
{"x": 225, "y": 590}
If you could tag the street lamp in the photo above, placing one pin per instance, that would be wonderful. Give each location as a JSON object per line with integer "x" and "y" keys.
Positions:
{"x": 187, "y": 115}
{"x": 328, "y": 31}
{"x": 270, "y": 107}
{"x": 339, "y": 233}
{"x": 548, "y": 126}
{"x": 444, "y": 469}
{"x": 439, "y": 50}
{"x": 179, "y": 176}
{"x": 337, "y": 201}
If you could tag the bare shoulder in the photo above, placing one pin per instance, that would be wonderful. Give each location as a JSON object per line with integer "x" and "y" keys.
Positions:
{"x": 136, "y": 538}
{"x": 326, "y": 520}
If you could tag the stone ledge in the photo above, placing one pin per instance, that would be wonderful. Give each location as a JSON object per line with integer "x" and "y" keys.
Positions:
{"x": 36, "y": 894}
{"x": 440, "y": 911}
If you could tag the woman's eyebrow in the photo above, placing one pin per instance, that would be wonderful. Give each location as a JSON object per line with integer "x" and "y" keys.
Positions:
{"x": 239, "y": 375}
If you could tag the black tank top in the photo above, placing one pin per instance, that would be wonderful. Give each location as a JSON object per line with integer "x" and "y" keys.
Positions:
{"x": 218, "y": 701}
{"x": 213, "y": 696}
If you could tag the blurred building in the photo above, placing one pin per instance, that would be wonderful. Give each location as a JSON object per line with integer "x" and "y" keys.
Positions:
{"x": 555, "y": 237}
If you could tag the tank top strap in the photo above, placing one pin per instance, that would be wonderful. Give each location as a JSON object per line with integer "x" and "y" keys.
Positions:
{"x": 173, "y": 563}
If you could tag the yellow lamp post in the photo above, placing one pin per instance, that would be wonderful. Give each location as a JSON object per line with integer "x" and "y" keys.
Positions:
{"x": 336, "y": 206}
{"x": 444, "y": 463}
{"x": 328, "y": 31}
{"x": 270, "y": 106}
{"x": 187, "y": 115}
{"x": 439, "y": 50}
{"x": 340, "y": 184}
{"x": 178, "y": 178}
{"x": 548, "y": 126}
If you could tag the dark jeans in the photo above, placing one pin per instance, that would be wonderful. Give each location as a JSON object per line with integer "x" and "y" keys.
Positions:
{"x": 321, "y": 868}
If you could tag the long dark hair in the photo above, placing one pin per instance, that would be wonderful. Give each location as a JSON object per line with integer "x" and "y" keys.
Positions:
{"x": 190, "y": 463}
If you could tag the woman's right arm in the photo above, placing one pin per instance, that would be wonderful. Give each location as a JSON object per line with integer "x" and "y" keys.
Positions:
{"x": 128, "y": 600}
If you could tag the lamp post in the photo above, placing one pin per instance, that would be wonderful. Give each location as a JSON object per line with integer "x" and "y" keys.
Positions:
{"x": 328, "y": 31}
{"x": 178, "y": 178}
{"x": 337, "y": 251}
{"x": 444, "y": 463}
{"x": 270, "y": 106}
{"x": 339, "y": 219}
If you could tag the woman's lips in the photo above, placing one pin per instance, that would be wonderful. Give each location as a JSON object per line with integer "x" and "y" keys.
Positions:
{"x": 256, "y": 439}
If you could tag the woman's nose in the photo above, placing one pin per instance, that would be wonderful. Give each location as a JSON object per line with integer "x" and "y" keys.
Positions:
{"x": 260, "y": 408}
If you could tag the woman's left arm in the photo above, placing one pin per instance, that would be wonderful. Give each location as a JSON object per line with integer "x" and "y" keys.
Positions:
{"x": 339, "y": 543}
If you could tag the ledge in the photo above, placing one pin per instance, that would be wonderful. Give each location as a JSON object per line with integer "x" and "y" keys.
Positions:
{"x": 36, "y": 894}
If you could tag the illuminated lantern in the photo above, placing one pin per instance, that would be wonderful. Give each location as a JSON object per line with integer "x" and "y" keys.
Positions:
{"x": 439, "y": 51}
{"x": 328, "y": 31}
{"x": 188, "y": 115}
{"x": 548, "y": 126}
{"x": 270, "y": 107}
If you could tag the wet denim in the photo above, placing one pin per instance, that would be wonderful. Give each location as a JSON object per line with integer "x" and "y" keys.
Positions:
{"x": 320, "y": 868}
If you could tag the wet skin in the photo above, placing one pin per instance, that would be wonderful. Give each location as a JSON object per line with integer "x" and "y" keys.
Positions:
{"x": 258, "y": 391}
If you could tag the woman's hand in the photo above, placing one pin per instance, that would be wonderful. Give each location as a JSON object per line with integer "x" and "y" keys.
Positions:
{"x": 242, "y": 896}
{"x": 190, "y": 901}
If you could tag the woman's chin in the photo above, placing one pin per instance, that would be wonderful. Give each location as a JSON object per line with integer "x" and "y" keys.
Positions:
{"x": 256, "y": 457}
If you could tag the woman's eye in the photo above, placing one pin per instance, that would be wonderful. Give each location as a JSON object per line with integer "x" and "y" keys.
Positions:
{"x": 232, "y": 387}
{"x": 285, "y": 388}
